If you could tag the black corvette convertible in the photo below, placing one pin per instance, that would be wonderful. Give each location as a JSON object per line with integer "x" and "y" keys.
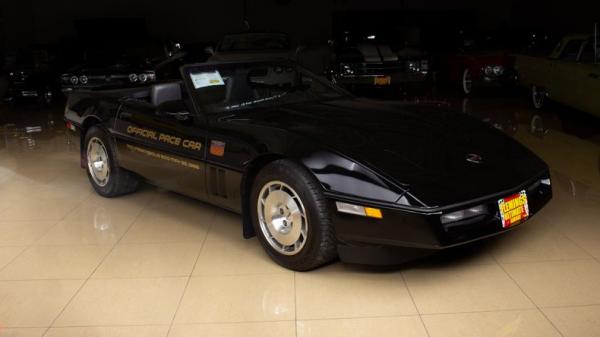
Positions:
{"x": 315, "y": 173}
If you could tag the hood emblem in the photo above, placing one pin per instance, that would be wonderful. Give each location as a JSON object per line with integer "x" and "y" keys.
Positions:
{"x": 474, "y": 158}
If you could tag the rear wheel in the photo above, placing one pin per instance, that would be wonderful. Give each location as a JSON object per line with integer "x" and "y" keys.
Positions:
{"x": 291, "y": 217}
{"x": 538, "y": 97}
{"x": 107, "y": 178}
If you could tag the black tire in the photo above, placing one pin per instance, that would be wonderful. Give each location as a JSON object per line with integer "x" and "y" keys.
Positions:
{"x": 119, "y": 181}
{"x": 320, "y": 246}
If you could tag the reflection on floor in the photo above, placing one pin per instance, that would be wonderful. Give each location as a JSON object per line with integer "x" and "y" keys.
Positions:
{"x": 157, "y": 264}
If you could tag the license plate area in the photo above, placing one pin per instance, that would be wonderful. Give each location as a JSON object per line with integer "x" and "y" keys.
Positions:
{"x": 382, "y": 80}
{"x": 513, "y": 209}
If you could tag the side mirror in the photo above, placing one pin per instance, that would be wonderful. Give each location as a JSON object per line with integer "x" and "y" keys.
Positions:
{"x": 209, "y": 50}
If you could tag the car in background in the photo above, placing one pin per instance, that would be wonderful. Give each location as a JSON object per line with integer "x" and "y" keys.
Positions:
{"x": 361, "y": 61}
{"x": 253, "y": 46}
{"x": 570, "y": 75}
{"x": 31, "y": 74}
{"x": 114, "y": 64}
{"x": 116, "y": 75}
{"x": 481, "y": 61}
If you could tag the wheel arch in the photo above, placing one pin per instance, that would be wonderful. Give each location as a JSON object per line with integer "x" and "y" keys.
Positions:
{"x": 250, "y": 173}
{"x": 88, "y": 122}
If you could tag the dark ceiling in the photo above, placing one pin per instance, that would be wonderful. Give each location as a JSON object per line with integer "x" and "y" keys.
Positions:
{"x": 25, "y": 22}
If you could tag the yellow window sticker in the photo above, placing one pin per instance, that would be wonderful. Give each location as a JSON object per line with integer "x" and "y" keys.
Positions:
{"x": 206, "y": 79}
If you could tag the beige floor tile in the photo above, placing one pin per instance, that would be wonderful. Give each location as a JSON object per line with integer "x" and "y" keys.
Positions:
{"x": 125, "y": 204}
{"x": 235, "y": 258}
{"x": 149, "y": 260}
{"x": 558, "y": 283}
{"x": 55, "y": 262}
{"x": 7, "y": 254}
{"x": 124, "y": 302}
{"x": 464, "y": 289}
{"x": 262, "y": 329}
{"x": 341, "y": 292}
{"x": 471, "y": 254}
{"x": 20, "y": 233}
{"x": 110, "y": 331}
{"x": 576, "y": 321}
{"x": 409, "y": 326}
{"x": 22, "y": 332}
{"x": 34, "y": 303}
{"x": 100, "y": 232}
{"x": 535, "y": 243}
{"x": 44, "y": 192}
{"x": 248, "y": 298}
{"x": 164, "y": 198}
{"x": 39, "y": 209}
{"x": 585, "y": 235}
{"x": 171, "y": 223}
{"x": 103, "y": 213}
{"x": 70, "y": 177}
{"x": 226, "y": 226}
{"x": 527, "y": 323}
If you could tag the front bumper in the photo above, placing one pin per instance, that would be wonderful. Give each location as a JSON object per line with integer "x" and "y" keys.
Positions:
{"x": 402, "y": 235}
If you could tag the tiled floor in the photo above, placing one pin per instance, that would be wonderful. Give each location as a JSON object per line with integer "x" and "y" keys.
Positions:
{"x": 155, "y": 264}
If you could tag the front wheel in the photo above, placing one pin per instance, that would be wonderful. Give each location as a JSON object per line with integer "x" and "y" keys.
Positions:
{"x": 291, "y": 217}
{"x": 107, "y": 178}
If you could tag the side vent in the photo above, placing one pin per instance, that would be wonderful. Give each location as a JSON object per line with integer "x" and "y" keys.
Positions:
{"x": 217, "y": 182}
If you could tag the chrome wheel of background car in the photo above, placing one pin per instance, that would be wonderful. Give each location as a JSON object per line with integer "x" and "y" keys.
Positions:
{"x": 538, "y": 96}
{"x": 282, "y": 218}
{"x": 467, "y": 82}
{"x": 97, "y": 159}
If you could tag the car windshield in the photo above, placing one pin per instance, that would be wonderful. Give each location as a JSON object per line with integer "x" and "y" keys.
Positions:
{"x": 254, "y": 41}
{"x": 229, "y": 87}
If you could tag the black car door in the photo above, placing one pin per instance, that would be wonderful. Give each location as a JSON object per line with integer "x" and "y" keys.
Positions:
{"x": 163, "y": 139}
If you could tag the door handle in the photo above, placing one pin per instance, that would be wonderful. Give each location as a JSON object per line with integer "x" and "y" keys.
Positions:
{"x": 594, "y": 75}
{"x": 180, "y": 115}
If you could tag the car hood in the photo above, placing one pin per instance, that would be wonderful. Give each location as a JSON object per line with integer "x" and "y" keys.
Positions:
{"x": 422, "y": 147}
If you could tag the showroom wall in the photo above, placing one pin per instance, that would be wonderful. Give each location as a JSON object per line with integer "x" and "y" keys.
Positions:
{"x": 44, "y": 21}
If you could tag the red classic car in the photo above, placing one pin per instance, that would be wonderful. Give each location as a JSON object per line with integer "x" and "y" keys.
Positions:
{"x": 476, "y": 63}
